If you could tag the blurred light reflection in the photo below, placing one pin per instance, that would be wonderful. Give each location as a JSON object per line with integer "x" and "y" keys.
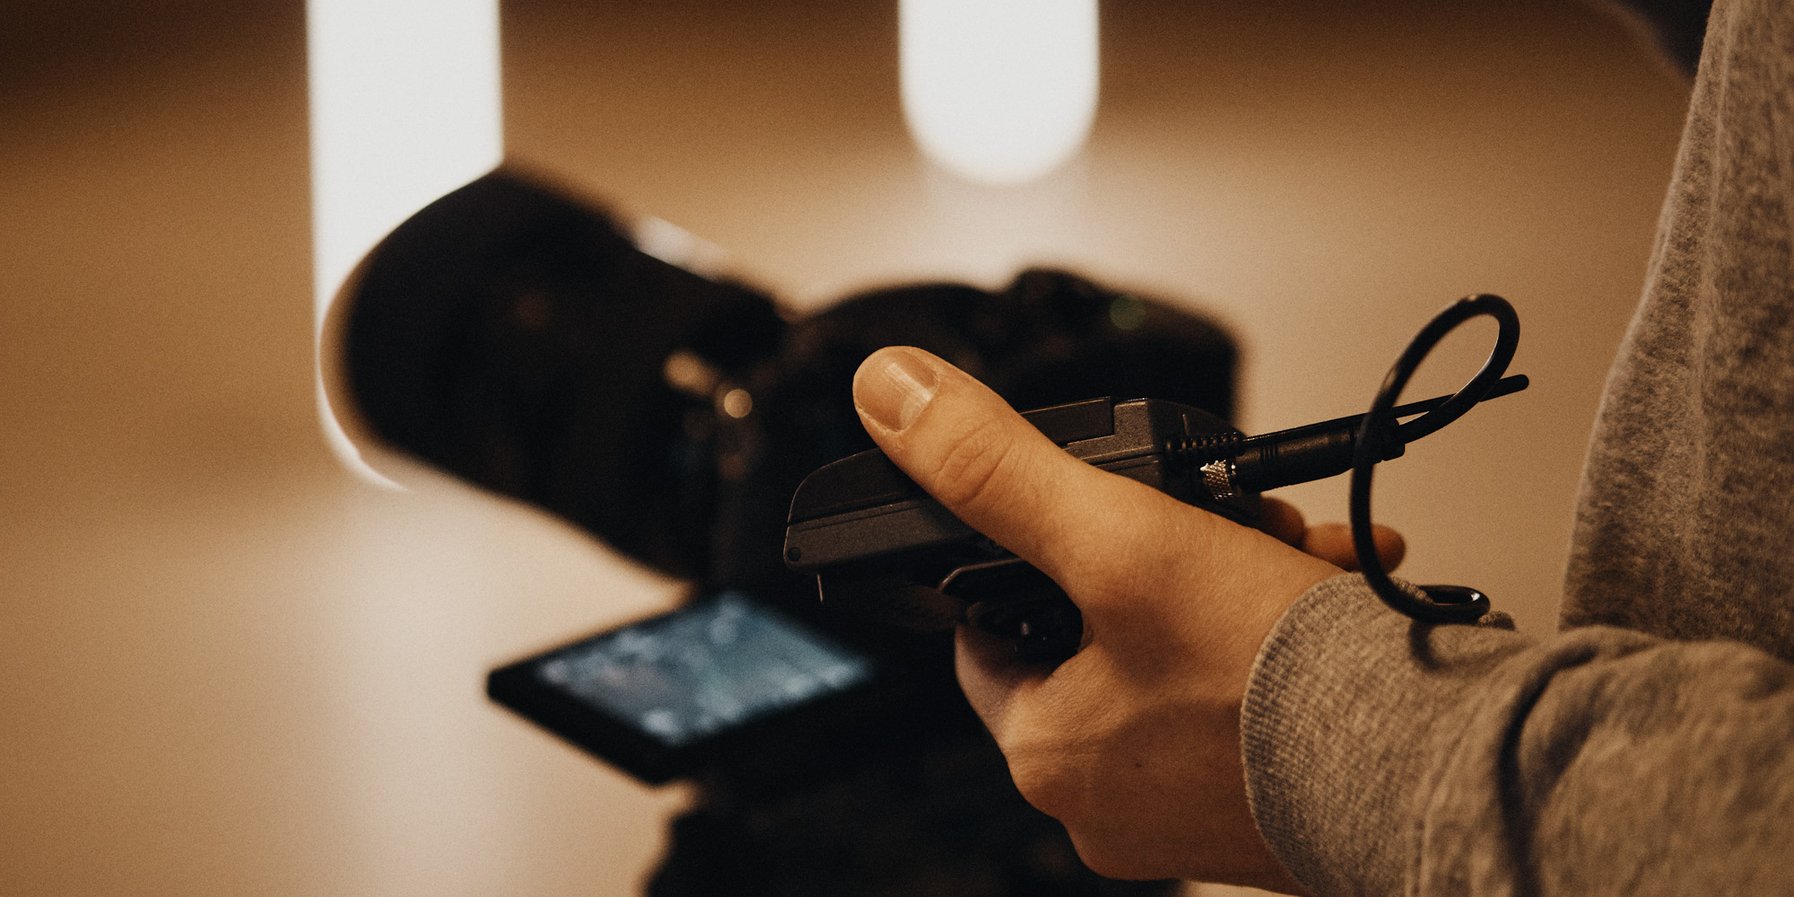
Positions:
{"x": 405, "y": 106}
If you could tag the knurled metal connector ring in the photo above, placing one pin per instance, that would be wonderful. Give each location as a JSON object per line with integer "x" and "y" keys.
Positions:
{"x": 1217, "y": 477}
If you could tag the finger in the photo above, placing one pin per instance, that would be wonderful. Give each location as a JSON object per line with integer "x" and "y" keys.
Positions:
{"x": 1281, "y": 519}
{"x": 1001, "y": 476}
{"x": 1332, "y": 542}
{"x": 987, "y": 671}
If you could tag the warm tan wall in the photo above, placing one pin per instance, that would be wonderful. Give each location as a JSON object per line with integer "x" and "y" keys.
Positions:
{"x": 229, "y": 668}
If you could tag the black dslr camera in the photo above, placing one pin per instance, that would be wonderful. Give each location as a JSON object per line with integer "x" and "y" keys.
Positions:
{"x": 521, "y": 340}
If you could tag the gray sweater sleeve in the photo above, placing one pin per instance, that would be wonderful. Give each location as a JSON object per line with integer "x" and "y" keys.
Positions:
{"x": 1650, "y": 748}
{"x": 1410, "y": 759}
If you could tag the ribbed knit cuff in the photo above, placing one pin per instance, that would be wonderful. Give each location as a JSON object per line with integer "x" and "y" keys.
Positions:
{"x": 1347, "y": 715}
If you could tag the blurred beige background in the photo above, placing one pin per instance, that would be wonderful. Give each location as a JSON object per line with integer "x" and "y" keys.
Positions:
{"x": 231, "y": 668}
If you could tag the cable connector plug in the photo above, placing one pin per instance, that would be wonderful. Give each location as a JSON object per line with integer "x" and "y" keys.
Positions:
{"x": 1237, "y": 464}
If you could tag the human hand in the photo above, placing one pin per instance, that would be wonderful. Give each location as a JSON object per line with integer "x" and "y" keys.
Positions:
{"x": 1134, "y": 742}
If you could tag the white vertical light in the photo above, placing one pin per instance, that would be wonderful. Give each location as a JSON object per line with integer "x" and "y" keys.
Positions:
{"x": 999, "y": 91}
{"x": 405, "y": 107}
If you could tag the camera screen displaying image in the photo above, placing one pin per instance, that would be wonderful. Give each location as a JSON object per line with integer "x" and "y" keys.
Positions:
{"x": 654, "y": 696}
{"x": 715, "y": 666}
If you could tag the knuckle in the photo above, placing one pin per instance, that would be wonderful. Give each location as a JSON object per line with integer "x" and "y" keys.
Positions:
{"x": 972, "y": 469}
{"x": 1040, "y": 787}
{"x": 1112, "y": 860}
{"x": 1039, "y": 757}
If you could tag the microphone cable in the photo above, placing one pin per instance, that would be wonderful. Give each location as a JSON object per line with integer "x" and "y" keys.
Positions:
{"x": 1231, "y": 463}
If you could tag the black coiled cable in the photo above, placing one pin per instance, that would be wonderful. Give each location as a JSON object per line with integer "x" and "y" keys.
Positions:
{"x": 1432, "y": 603}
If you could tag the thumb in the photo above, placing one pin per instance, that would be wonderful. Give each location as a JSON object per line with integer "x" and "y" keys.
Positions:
{"x": 993, "y": 470}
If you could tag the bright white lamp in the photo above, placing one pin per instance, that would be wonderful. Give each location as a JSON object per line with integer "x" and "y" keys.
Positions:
{"x": 999, "y": 91}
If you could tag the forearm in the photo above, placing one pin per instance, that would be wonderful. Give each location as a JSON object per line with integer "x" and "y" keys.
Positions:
{"x": 1387, "y": 757}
